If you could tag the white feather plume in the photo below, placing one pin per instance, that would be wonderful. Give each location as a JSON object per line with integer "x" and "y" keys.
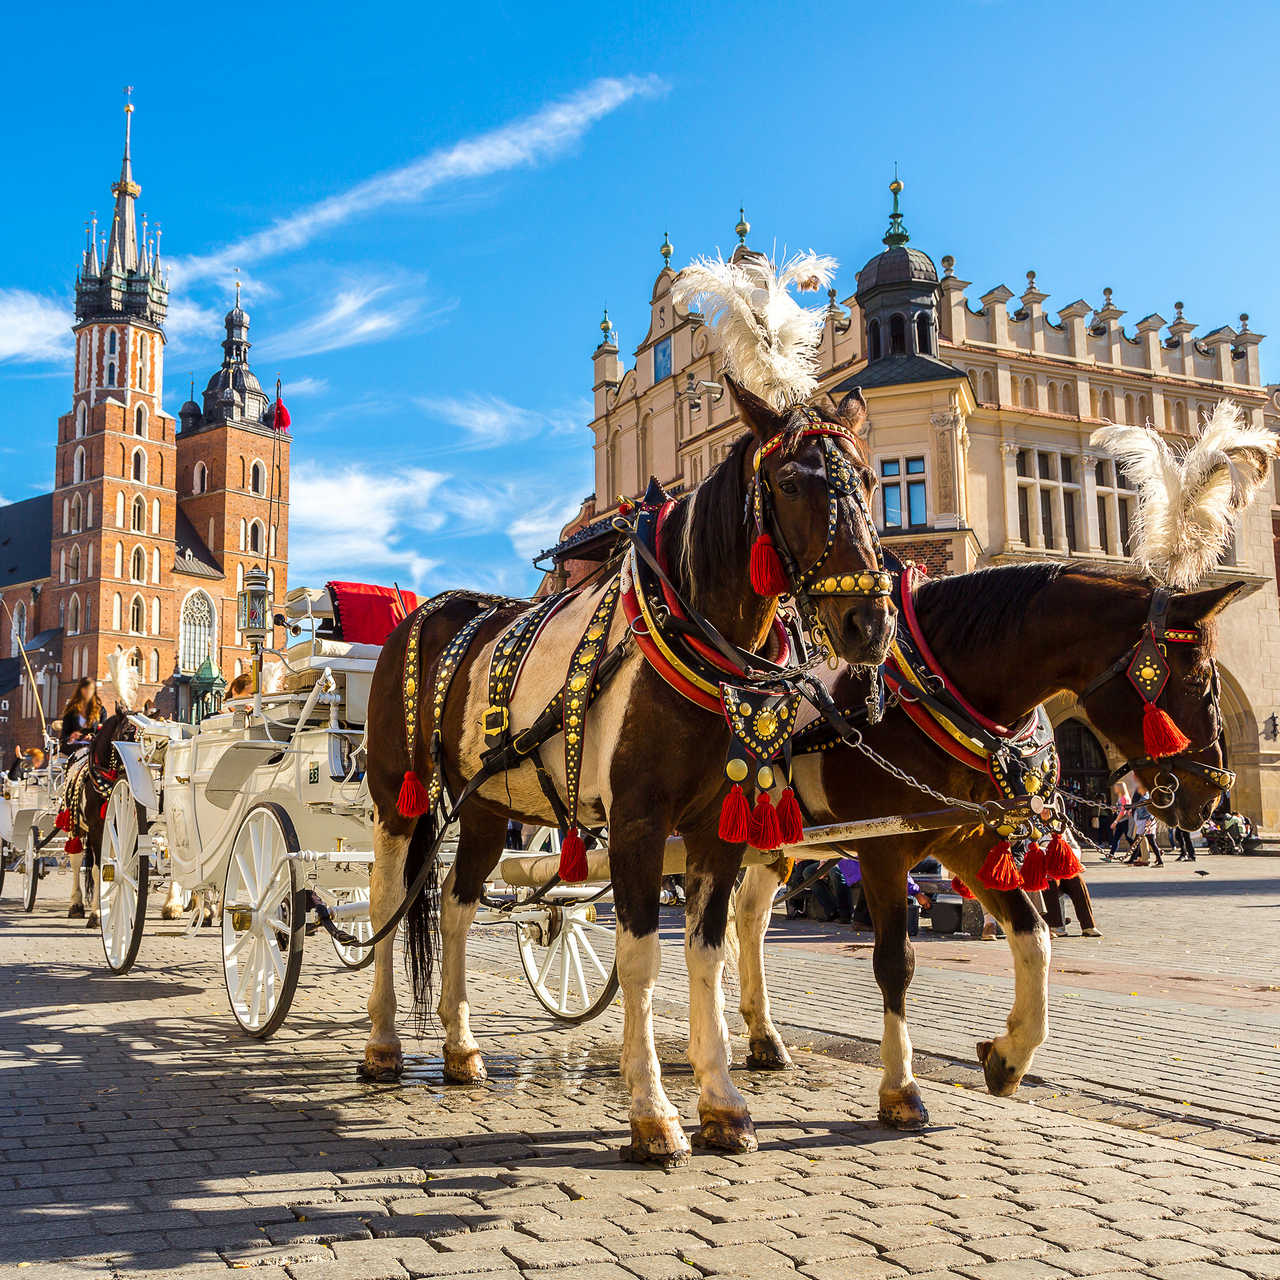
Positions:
{"x": 1188, "y": 502}
{"x": 770, "y": 342}
{"x": 272, "y": 677}
{"x": 124, "y": 678}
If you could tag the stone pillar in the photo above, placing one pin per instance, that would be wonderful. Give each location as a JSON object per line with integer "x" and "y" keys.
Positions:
{"x": 1089, "y": 500}
{"x": 948, "y": 468}
{"x": 1009, "y": 465}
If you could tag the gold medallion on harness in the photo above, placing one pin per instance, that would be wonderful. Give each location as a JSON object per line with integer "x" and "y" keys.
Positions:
{"x": 766, "y": 724}
{"x": 764, "y": 776}
{"x": 736, "y": 769}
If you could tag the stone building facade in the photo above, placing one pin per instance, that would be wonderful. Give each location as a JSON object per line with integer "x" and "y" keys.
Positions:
{"x": 981, "y": 411}
{"x": 152, "y": 522}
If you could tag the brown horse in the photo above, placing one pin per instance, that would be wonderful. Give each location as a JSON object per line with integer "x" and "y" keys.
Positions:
{"x": 1008, "y": 638}
{"x": 653, "y": 761}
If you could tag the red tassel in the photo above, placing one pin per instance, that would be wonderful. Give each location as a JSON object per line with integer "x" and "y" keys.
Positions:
{"x": 1160, "y": 736}
{"x": 790, "y": 823}
{"x": 75, "y": 845}
{"x": 63, "y": 821}
{"x": 573, "y": 858}
{"x": 1034, "y": 877}
{"x": 1000, "y": 871}
{"x": 960, "y": 887}
{"x": 735, "y": 816}
{"x": 102, "y": 813}
{"x": 768, "y": 577}
{"x": 1060, "y": 859}
{"x": 414, "y": 800}
{"x": 764, "y": 824}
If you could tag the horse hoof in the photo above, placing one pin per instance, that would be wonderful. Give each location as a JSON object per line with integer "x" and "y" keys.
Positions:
{"x": 170, "y": 913}
{"x": 726, "y": 1131}
{"x": 1002, "y": 1079}
{"x": 75, "y": 911}
{"x": 769, "y": 1055}
{"x": 464, "y": 1067}
{"x": 381, "y": 1066}
{"x": 660, "y": 1142}
{"x": 91, "y": 920}
{"x": 903, "y": 1109}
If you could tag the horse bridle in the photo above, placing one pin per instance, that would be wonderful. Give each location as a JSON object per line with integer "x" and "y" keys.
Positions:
{"x": 1146, "y": 665}
{"x": 804, "y": 585}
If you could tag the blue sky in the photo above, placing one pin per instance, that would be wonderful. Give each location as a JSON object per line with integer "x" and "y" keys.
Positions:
{"x": 429, "y": 207}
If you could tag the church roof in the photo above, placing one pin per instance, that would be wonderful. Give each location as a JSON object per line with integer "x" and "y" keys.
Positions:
{"x": 897, "y": 265}
{"x": 190, "y": 555}
{"x": 26, "y": 535}
{"x": 898, "y": 370}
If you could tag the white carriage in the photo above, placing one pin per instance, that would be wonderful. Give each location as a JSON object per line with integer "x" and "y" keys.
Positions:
{"x": 30, "y": 842}
{"x": 265, "y": 806}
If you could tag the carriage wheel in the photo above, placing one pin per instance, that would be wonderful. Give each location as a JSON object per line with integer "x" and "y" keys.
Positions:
{"x": 359, "y": 926}
{"x": 31, "y": 869}
{"x": 264, "y": 921}
{"x": 570, "y": 960}
{"x": 124, "y": 880}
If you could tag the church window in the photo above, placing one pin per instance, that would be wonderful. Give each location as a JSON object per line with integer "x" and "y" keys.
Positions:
{"x": 924, "y": 334}
{"x": 195, "y": 641}
{"x": 111, "y": 373}
{"x": 88, "y": 617}
{"x": 258, "y": 478}
{"x": 139, "y": 514}
{"x": 155, "y": 564}
{"x": 142, "y": 369}
{"x": 111, "y": 342}
{"x": 874, "y": 350}
{"x": 272, "y": 550}
{"x": 1108, "y": 406}
{"x": 73, "y": 617}
{"x": 62, "y": 565}
{"x": 199, "y": 478}
{"x": 88, "y": 519}
{"x": 115, "y": 612}
{"x": 897, "y": 335}
{"x": 77, "y": 514}
{"x": 75, "y": 564}
{"x": 75, "y": 664}
{"x": 1053, "y": 397}
{"x": 82, "y": 414}
{"x": 66, "y": 516}
{"x": 120, "y": 510}
{"x": 138, "y": 565}
{"x": 155, "y": 615}
{"x": 137, "y": 616}
{"x": 77, "y": 466}
{"x": 140, "y": 465}
{"x": 88, "y": 573}
{"x": 154, "y": 672}
{"x": 119, "y": 559}
{"x": 155, "y": 515}
{"x": 140, "y": 420}
{"x": 1068, "y": 398}
{"x": 1029, "y": 397}
{"x": 255, "y": 537}
{"x": 988, "y": 388}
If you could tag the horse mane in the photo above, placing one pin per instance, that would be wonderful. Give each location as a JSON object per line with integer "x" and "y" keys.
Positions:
{"x": 985, "y": 607}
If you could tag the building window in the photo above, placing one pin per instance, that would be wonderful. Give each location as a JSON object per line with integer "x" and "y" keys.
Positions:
{"x": 77, "y": 514}
{"x": 111, "y": 373}
{"x": 874, "y": 346}
{"x": 155, "y": 564}
{"x": 140, "y": 421}
{"x": 155, "y": 615}
{"x": 199, "y": 478}
{"x": 139, "y": 515}
{"x": 1053, "y": 397}
{"x": 154, "y": 672}
{"x": 897, "y": 335}
{"x": 138, "y": 565}
{"x": 75, "y": 564}
{"x": 258, "y": 478}
{"x": 142, "y": 377}
{"x": 1049, "y": 494}
{"x": 119, "y": 560}
{"x": 73, "y": 617}
{"x": 661, "y": 363}
{"x": 81, "y": 415}
{"x": 196, "y": 638}
{"x": 115, "y": 612}
{"x": 137, "y": 616}
{"x": 140, "y": 465}
{"x": 77, "y": 466}
{"x": 1117, "y": 505}
{"x": 256, "y": 540}
{"x": 924, "y": 334}
{"x": 88, "y": 520}
{"x": 903, "y": 493}
{"x": 988, "y": 388}
{"x": 155, "y": 515}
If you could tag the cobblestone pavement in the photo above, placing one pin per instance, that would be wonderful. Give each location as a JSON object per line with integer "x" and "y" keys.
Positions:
{"x": 139, "y": 1136}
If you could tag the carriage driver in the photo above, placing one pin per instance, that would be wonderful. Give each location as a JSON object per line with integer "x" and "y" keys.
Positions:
{"x": 81, "y": 718}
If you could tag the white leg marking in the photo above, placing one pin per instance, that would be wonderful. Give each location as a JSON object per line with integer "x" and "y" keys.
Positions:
{"x": 455, "y": 1012}
{"x": 708, "y": 1031}
{"x": 639, "y": 961}
{"x": 1029, "y": 1018}
{"x": 895, "y": 1054}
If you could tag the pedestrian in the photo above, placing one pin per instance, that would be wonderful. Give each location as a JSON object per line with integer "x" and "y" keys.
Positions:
{"x": 1182, "y": 842}
{"x": 1075, "y": 889}
{"x": 18, "y": 769}
{"x": 1120, "y": 823}
{"x": 1140, "y": 840}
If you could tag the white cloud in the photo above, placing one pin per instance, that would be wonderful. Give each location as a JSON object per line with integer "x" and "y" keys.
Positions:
{"x": 539, "y": 528}
{"x": 33, "y": 327}
{"x": 187, "y": 320}
{"x": 358, "y": 313}
{"x": 489, "y": 421}
{"x": 349, "y": 521}
{"x": 538, "y": 137}
{"x": 307, "y": 386}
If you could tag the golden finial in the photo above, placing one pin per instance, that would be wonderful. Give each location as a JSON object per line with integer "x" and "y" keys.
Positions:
{"x": 743, "y": 228}
{"x": 665, "y": 249}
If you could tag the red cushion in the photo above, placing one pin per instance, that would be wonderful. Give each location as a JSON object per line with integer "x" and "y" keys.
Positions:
{"x": 366, "y": 614}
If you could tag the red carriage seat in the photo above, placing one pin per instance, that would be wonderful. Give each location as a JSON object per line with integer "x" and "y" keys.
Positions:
{"x": 366, "y": 614}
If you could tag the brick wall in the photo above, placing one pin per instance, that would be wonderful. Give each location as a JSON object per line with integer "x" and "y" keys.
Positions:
{"x": 935, "y": 554}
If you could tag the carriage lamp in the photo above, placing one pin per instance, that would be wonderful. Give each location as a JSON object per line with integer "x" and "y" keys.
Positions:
{"x": 253, "y": 607}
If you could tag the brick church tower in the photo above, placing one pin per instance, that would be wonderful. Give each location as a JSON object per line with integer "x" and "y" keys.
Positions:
{"x": 113, "y": 500}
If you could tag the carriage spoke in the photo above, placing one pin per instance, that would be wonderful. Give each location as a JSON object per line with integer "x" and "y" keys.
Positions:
{"x": 269, "y": 897}
{"x": 578, "y": 976}
{"x": 591, "y": 955}
{"x": 551, "y": 955}
{"x": 564, "y": 969}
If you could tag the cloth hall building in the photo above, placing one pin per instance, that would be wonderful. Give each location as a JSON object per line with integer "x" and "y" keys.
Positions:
{"x": 151, "y": 523}
{"x": 981, "y": 410}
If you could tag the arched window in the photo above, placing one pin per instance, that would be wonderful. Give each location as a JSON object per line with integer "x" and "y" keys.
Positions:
{"x": 66, "y": 516}
{"x": 19, "y": 636}
{"x": 155, "y": 564}
{"x": 924, "y": 334}
{"x": 120, "y": 510}
{"x": 88, "y": 519}
{"x": 196, "y": 639}
{"x": 1144, "y": 409}
{"x": 111, "y": 373}
{"x": 111, "y": 342}
{"x": 874, "y": 348}
{"x": 140, "y": 465}
{"x": 139, "y": 514}
{"x": 155, "y": 515}
{"x": 1068, "y": 398}
{"x": 243, "y": 532}
{"x": 138, "y": 565}
{"x": 62, "y": 565}
{"x": 1015, "y": 391}
{"x": 115, "y": 612}
{"x": 73, "y": 617}
{"x": 1029, "y": 397}
{"x": 140, "y": 420}
{"x": 1053, "y": 397}
{"x": 77, "y": 514}
{"x": 142, "y": 372}
{"x": 256, "y": 539}
{"x": 272, "y": 552}
{"x": 88, "y": 620}
{"x": 88, "y": 573}
{"x": 75, "y": 664}
{"x": 1179, "y": 416}
{"x": 1108, "y": 406}
{"x": 1129, "y": 408}
{"x": 199, "y": 478}
{"x": 258, "y": 478}
{"x": 75, "y": 564}
{"x": 154, "y": 672}
{"x": 82, "y": 414}
{"x": 137, "y": 616}
{"x": 897, "y": 334}
{"x": 988, "y": 389}
{"x": 119, "y": 559}
{"x": 155, "y": 615}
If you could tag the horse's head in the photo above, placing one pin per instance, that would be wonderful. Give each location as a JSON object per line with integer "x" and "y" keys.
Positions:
{"x": 115, "y": 728}
{"x": 810, "y": 487}
{"x": 1161, "y": 705}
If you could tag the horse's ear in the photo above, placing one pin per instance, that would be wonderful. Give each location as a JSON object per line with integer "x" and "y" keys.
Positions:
{"x": 852, "y": 410}
{"x": 1200, "y": 606}
{"x": 763, "y": 419}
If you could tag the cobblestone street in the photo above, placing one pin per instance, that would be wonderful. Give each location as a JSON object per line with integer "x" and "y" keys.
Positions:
{"x": 141, "y": 1136}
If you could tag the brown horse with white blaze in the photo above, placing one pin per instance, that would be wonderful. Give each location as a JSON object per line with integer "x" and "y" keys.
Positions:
{"x": 652, "y": 761}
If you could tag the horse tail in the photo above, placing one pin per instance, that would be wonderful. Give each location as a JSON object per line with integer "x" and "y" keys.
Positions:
{"x": 422, "y": 920}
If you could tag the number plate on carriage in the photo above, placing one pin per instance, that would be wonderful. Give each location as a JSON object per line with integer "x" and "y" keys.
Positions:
{"x": 108, "y": 872}
{"x": 313, "y": 773}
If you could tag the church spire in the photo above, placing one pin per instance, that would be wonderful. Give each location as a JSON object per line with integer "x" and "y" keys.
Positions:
{"x": 122, "y": 245}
